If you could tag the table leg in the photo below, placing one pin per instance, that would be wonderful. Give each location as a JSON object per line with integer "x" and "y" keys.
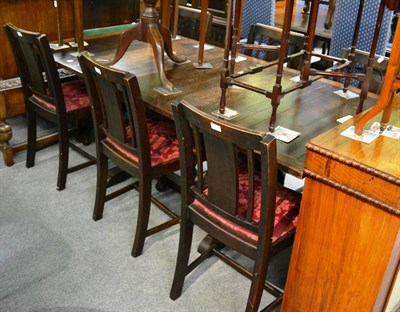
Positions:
{"x": 150, "y": 30}
{"x": 329, "y": 14}
{"x": 157, "y": 43}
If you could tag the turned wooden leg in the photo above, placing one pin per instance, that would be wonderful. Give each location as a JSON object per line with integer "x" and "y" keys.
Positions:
{"x": 5, "y": 134}
{"x": 390, "y": 87}
{"x": 166, "y": 37}
{"x": 157, "y": 43}
{"x": 329, "y": 14}
{"x": 5, "y": 137}
{"x": 306, "y": 8}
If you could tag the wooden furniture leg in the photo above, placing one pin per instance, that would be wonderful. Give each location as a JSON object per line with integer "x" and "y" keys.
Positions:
{"x": 329, "y": 14}
{"x": 78, "y": 20}
{"x": 202, "y": 37}
{"x": 390, "y": 87}
{"x": 306, "y": 8}
{"x": 202, "y": 32}
{"x": 352, "y": 54}
{"x": 5, "y": 134}
{"x": 277, "y": 88}
{"x": 174, "y": 30}
{"x": 225, "y": 65}
{"x": 368, "y": 73}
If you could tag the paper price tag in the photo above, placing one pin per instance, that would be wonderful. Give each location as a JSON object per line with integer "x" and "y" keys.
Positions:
{"x": 215, "y": 127}
{"x": 284, "y": 134}
{"x": 366, "y": 136}
{"x": 380, "y": 59}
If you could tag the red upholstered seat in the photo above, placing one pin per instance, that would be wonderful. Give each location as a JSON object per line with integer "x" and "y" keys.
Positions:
{"x": 286, "y": 212}
{"x": 162, "y": 138}
{"x": 75, "y": 96}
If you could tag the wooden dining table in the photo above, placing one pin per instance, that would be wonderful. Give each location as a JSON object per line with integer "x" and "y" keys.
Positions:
{"x": 310, "y": 111}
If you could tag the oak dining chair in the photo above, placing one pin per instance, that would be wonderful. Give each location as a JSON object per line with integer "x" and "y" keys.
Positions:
{"x": 263, "y": 36}
{"x": 235, "y": 199}
{"x": 64, "y": 103}
{"x": 140, "y": 143}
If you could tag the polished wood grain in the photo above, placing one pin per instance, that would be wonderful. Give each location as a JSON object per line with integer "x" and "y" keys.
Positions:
{"x": 309, "y": 111}
{"x": 346, "y": 251}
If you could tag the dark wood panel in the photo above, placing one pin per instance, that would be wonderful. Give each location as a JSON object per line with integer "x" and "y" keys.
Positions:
{"x": 103, "y": 13}
{"x": 38, "y": 16}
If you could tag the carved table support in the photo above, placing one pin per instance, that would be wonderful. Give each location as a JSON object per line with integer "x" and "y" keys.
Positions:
{"x": 149, "y": 30}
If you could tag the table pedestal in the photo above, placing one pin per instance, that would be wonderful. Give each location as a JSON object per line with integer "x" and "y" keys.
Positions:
{"x": 150, "y": 30}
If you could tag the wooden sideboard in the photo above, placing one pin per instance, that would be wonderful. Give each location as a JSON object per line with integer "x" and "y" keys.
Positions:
{"x": 347, "y": 247}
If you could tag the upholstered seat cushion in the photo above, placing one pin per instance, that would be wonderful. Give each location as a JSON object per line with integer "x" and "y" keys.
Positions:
{"x": 162, "y": 139}
{"x": 75, "y": 96}
{"x": 286, "y": 212}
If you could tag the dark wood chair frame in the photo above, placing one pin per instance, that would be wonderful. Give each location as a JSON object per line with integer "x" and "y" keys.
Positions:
{"x": 379, "y": 67}
{"x": 117, "y": 103}
{"x": 212, "y": 138}
{"x": 307, "y": 74}
{"x": 39, "y": 74}
{"x": 273, "y": 35}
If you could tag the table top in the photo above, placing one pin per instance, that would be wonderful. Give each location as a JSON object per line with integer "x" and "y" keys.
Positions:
{"x": 310, "y": 111}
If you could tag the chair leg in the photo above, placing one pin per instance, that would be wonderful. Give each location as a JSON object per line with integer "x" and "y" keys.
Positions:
{"x": 84, "y": 128}
{"x": 101, "y": 187}
{"x": 143, "y": 215}
{"x": 31, "y": 149}
{"x": 258, "y": 280}
{"x": 63, "y": 157}
{"x": 182, "y": 262}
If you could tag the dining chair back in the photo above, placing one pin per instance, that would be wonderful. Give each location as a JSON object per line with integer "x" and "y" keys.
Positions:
{"x": 234, "y": 198}
{"x": 189, "y": 22}
{"x": 379, "y": 67}
{"x": 265, "y": 35}
{"x": 47, "y": 96}
{"x": 140, "y": 143}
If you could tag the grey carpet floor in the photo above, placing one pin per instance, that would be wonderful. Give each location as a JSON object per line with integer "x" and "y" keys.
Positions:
{"x": 54, "y": 257}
